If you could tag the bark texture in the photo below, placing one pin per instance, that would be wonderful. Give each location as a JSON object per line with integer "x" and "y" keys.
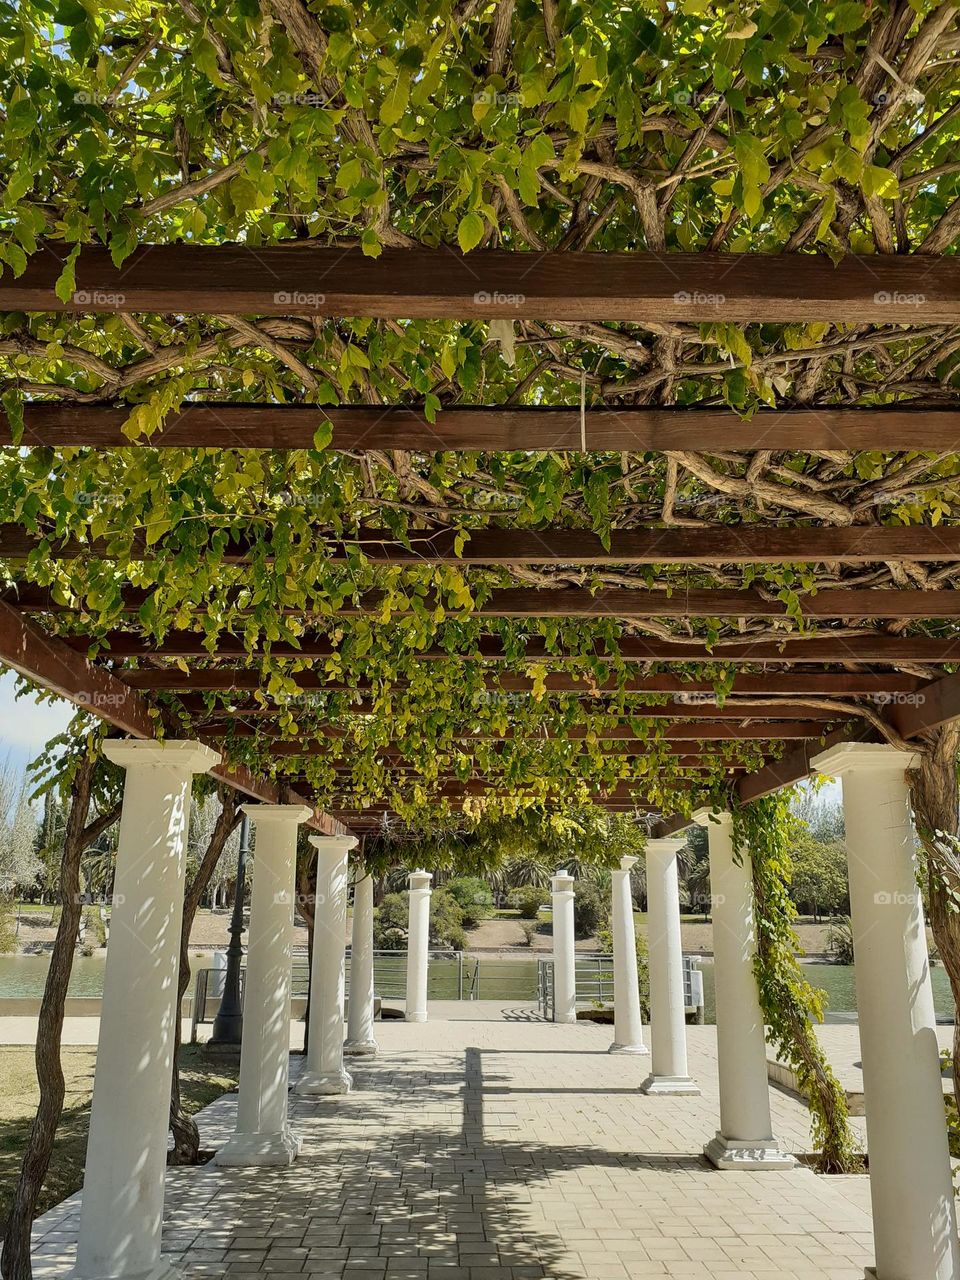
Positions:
{"x": 79, "y": 836}
{"x": 186, "y": 1135}
{"x": 936, "y": 807}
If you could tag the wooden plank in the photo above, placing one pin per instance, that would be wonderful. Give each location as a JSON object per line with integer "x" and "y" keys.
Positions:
{"x": 733, "y": 709}
{"x": 303, "y": 278}
{"x": 794, "y": 765}
{"x": 818, "y": 648}
{"x": 789, "y": 684}
{"x": 48, "y": 662}
{"x": 929, "y": 708}
{"x": 233, "y": 425}
{"x": 765, "y": 731}
{"x": 575, "y": 602}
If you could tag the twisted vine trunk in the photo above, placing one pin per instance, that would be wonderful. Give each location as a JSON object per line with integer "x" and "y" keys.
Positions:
{"x": 186, "y": 1135}
{"x": 936, "y": 808}
{"x": 36, "y": 1157}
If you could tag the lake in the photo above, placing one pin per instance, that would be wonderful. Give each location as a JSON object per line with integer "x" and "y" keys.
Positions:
{"x": 500, "y": 979}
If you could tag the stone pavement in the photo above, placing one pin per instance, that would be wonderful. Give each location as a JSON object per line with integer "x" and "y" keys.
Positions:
{"x": 505, "y": 1150}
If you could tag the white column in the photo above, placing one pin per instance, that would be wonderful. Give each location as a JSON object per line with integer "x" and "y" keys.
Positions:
{"x": 914, "y": 1219}
{"x": 628, "y": 1021}
{"x": 418, "y": 945}
{"x": 360, "y": 1018}
{"x": 745, "y": 1139}
{"x": 323, "y": 1071}
{"x": 263, "y": 1135}
{"x": 122, "y": 1206}
{"x": 564, "y": 949}
{"x": 668, "y": 1023}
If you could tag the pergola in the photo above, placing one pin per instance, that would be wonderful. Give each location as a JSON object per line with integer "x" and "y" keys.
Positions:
{"x": 845, "y": 679}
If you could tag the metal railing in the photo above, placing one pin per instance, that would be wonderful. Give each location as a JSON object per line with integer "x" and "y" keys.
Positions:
{"x": 450, "y": 976}
{"x": 594, "y": 984}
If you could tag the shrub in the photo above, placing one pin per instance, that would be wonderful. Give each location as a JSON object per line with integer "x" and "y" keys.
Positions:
{"x": 390, "y": 924}
{"x": 840, "y": 941}
{"x": 530, "y": 929}
{"x": 474, "y": 897}
{"x": 392, "y": 920}
{"x": 528, "y": 900}
{"x": 8, "y": 928}
{"x": 591, "y": 911}
{"x": 446, "y": 921}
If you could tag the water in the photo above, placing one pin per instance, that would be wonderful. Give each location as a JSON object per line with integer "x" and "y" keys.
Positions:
{"x": 499, "y": 979}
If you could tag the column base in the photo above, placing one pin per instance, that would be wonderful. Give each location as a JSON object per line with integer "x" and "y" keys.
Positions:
{"x": 627, "y": 1048}
{"x": 415, "y": 1015}
{"x": 245, "y": 1149}
{"x": 654, "y": 1085}
{"x": 324, "y": 1082}
{"x": 725, "y": 1153}
{"x": 360, "y": 1048}
{"x": 162, "y": 1271}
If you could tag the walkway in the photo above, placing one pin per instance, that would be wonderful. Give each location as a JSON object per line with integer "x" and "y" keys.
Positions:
{"x": 501, "y": 1150}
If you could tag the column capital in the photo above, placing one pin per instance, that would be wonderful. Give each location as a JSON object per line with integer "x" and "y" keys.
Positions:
{"x": 667, "y": 846}
{"x": 260, "y": 813}
{"x": 706, "y": 816}
{"x": 628, "y": 862}
{"x": 188, "y": 754}
{"x": 562, "y": 882}
{"x": 335, "y": 845}
{"x": 850, "y": 757}
{"x": 420, "y": 880}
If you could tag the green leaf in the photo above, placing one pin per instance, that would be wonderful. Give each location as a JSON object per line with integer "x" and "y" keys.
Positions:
{"x": 395, "y": 103}
{"x": 470, "y": 231}
{"x": 66, "y": 285}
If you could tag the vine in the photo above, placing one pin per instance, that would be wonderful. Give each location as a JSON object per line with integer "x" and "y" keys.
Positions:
{"x": 762, "y": 830}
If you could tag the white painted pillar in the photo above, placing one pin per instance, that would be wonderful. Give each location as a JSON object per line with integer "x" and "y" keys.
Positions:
{"x": 418, "y": 945}
{"x": 628, "y": 1020}
{"x": 323, "y": 1071}
{"x": 122, "y": 1206}
{"x": 914, "y": 1218}
{"x": 263, "y": 1135}
{"x": 745, "y": 1139}
{"x": 668, "y": 1023}
{"x": 361, "y": 1040}
{"x": 564, "y": 949}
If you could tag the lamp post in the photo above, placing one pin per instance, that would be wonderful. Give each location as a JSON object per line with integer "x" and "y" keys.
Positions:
{"x": 228, "y": 1024}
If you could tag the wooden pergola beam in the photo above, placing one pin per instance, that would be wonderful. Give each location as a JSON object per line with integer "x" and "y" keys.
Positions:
{"x": 789, "y": 684}
{"x": 302, "y": 278}
{"x": 233, "y": 425}
{"x": 716, "y": 545}
{"x": 767, "y": 730}
{"x": 874, "y": 646}
{"x": 48, "y": 662}
{"x": 575, "y": 602}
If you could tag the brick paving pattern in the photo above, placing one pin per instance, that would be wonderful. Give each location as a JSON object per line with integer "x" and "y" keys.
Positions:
{"x": 505, "y": 1150}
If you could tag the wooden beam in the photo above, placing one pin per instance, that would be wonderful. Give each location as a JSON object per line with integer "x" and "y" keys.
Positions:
{"x": 874, "y": 646}
{"x": 302, "y": 278}
{"x": 48, "y": 662}
{"x": 765, "y": 731}
{"x": 733, "y": 709}
{"x": 233, "y": 425}
{"x": 788, "y": 684}
{"x": 575, "y": 602}
{"x": 934, "y": 705}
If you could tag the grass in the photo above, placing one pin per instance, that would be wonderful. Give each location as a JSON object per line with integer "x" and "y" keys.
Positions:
{"x": 201, "y": 1082}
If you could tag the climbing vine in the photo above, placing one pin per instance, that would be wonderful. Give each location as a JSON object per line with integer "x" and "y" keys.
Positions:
{"x": 790, "y": 1005}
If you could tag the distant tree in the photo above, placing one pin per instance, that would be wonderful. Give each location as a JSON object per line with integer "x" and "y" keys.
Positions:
{"x": 819, "y": 876}
{"x": 474, "y": 897}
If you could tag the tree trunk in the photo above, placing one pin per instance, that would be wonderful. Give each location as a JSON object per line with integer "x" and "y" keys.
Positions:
{"x": 186, "y": 1135}
{"x": 936, "y": 807}
{"x": 43, "y": 1131}
{"x": 306, "y": 899}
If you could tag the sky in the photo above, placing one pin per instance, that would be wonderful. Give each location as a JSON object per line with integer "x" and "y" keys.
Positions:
{"x": 26, "y": 725}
